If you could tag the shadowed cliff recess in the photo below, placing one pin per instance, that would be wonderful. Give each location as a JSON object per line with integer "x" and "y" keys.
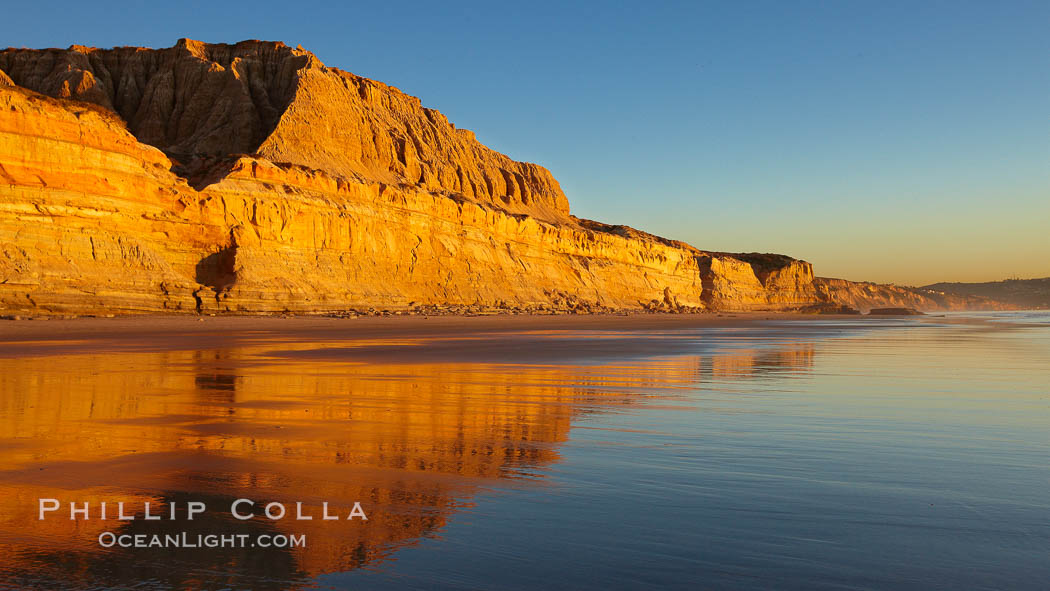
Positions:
{"x": 265, "y": 98}
{"x": 252, "y": 178}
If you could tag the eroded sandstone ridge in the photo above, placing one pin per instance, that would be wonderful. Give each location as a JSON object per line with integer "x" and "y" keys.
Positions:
{"x": 284, "y": 105}
{"x": 252, "y": 178}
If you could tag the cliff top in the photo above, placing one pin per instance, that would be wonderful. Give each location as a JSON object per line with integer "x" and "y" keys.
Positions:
{"x": 282, "y": 103}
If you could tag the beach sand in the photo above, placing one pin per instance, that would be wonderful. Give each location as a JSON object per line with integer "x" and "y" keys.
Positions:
{"x": 476, "y": 336}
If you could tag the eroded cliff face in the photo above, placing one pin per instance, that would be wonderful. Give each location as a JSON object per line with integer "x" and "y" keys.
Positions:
{"x": 251, "y": 178}
{"x": 756, "y": 282}
{"x": 90, "y": 219}
{"x": 265, "y": 98}
{"x": 192, "y": 98}
{"x": 93, "y": 221}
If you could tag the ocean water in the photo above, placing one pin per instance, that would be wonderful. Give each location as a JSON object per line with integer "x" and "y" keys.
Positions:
{"x": 892, "y": 453}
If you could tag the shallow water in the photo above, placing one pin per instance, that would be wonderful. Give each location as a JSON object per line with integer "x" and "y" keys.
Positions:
{"x": 861, "y": 454}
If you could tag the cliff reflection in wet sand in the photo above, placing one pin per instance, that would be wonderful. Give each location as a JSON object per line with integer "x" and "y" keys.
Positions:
{"x": 404, "y": 426}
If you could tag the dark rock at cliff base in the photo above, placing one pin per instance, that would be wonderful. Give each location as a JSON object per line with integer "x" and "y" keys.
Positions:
{"x": 828, "y": 308}
{"x": 895, "y": 312}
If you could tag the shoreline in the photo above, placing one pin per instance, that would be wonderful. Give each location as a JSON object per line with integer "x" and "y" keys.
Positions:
{"x": 155, "y": 333}
{"x": 20, "y": 338}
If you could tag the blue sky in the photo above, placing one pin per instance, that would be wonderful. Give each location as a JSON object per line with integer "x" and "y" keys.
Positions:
{"x": 905, "y": 142}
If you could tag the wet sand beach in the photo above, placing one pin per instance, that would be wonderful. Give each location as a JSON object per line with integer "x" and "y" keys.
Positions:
{"x": 175, "y": 332}
{"x": 735, "y": 451}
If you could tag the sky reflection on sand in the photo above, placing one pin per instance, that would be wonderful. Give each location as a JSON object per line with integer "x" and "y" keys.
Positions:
{"x": 424, "y": 430}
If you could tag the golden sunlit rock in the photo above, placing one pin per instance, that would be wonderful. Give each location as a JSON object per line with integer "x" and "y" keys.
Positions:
{"x": 251, "y": 178}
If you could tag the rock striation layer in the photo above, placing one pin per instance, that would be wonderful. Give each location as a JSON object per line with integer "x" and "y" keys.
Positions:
{"x": 252, "y": 178}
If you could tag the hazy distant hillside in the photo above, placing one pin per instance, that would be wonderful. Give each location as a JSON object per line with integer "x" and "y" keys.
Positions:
{"x": 1025, "y": 293}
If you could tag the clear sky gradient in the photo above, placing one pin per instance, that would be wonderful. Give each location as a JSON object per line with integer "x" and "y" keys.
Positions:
{"x": 887, "y": 141}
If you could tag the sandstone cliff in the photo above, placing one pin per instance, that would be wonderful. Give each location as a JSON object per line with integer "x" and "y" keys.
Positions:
{"x": 252, "y": 178}
{"x": 285, "y": 105}
{"x": 92, "y": 220}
